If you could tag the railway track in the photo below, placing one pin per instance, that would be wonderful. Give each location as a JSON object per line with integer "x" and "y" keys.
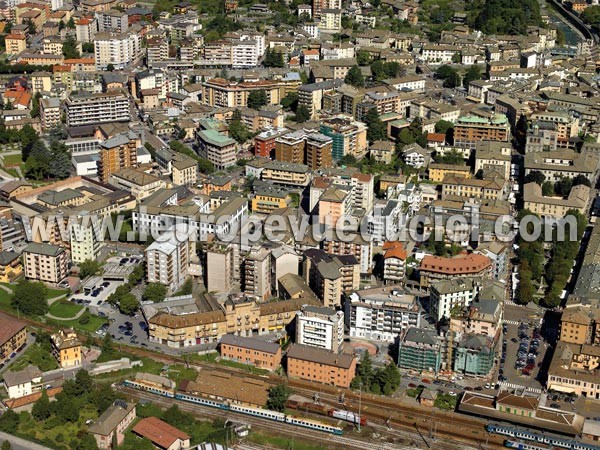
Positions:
{"x": 276, "y": 427}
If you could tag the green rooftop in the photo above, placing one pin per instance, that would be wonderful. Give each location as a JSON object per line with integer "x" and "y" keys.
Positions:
{"x": 215, "y": 138}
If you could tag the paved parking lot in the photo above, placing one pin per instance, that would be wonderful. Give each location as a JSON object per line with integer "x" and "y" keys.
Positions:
{"x": 97, "y": 292}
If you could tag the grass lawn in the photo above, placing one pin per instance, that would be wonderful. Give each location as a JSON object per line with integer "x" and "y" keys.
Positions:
{"x": 13, "y": 160}
{"x": 281, "y": 442}
{"x": 445, "y": 401}
{"x": 87, "y": 322}
{"x": 5, "y": 298}
{"x": 65, "y": 309}
{"x": 36, "y": 356}
{"x": 56, "y": 292}
{"x": 179, "y": 373}
{"x": 213, "y": 358}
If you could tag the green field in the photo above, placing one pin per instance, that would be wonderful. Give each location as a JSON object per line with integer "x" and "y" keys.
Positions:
{"x": 64, "y": 309}
{"x": 13, "y": 160}
{"x": 52, "y": 293}
{"x": 36, "y": 356}
{"x": 87, "y": 322}
{"x": 213, "y": 358}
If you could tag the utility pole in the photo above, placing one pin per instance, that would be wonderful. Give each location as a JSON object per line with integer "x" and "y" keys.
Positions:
{"x": 359, "y": 403}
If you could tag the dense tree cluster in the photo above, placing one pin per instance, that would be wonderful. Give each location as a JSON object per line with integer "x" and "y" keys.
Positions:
{"x": 355, "y": 77}
{"x": 257, "y": 99}
{"x": 382, "y": 70}
{"x": 451, "y": 157}
{"x": 237, "y": 129}
{"x": 531, "y": 263}
{"x": 591, "y": 16}
{"x": 376, "y": 129}
{"x": 278, "y": 396}
{"x": 273, "y": 58}
{"x": 383, "y": 380}
{"x": 507, "y": 16}
{"x": 450, "y": 76}
{"x": 155, "y": 292}
{"x": 122, "y": 296}
{"x": 31, "y": 298}
{"x": 88, "y": 267}
{"x": 43, "y": 162}
{"x": 413, "y": 133}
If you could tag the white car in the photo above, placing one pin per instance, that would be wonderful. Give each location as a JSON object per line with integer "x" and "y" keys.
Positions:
{"x": 452, "y": 393}
{"x": 487, "y": 385}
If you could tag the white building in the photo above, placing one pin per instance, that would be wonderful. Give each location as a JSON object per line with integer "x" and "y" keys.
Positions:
{"x": 91, "y": 109}
{"x": 381, "y": 314}
{"x": 445, "y": 295}
{"x": 118, "y": 50}
{"x": 320, "y": 327}
{"x": 21, "y": 383}
{"x": 244, "y": 54}
{"x": 86, "y": 239}
{"x": 112, "y": 21}
{"x": 168, "y": 258}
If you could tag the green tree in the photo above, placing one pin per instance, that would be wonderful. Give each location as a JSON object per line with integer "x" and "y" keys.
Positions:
{"x": 363, "y": 57}
{"x": 205, "y": 166}
{"x": 376, "y": 129}
{"x": 9, "y": 421}
{"x": 186, "y": 288}
{"x": 581, "y": 179}
{"x": 137, "y": 275}
{"x": 591, "y": 16}
{"x": 66, "y": 408}
{"x": 41, "y": 409}
{"x": 442, "y": 126}
{"x": 176, "y": 417}
{"x": 535, "y": 176}
{"x": 290, "y": 101}
{"x": 257, "y": 99}
{"x": 278, "y": 396}
{"x": 88, "y": 267}
{"x": 449, "y": 75}
{"x": 87, "y": 47}
{"x": 35, "y": 105}
{"x": 474, "y": 73}
{"x": 70, "y": 50}
{"x": 30, "y": 298}
{"x": 302, "y": 114}
{"x": 521, "y": 131}
{"x": 155, "y": 292}
{"x": 237, "y": 129}
{"x": 110, "y": 67}
{"x": 88, "y": 442}
{"x": 71, "y": 23}
{"x": 547, "y": 189}
{"x": 355, "y": 77}
{"x": 563, "y": 186}
{"x": 6, "y": 445}
{"x": 31, "y": 29}
{"x": 107, "y": 344}
{"x": 128, "y": 304}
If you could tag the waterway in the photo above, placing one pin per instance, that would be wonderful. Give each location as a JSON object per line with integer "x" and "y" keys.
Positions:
{"x": 572, "y": 37}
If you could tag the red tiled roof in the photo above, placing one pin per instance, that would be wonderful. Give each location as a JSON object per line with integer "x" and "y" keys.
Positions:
{"x": 462, "y": 264}
{"x": 160, "y": 433}
{"x": 9, "y": 326}
{"x": 436, "y": 137}
{"x": 394, "y": 250}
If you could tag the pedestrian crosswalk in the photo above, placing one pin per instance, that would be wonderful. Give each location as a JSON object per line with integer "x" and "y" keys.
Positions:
{"x": 511, "y": 322}
{"x": 532, "y": 390}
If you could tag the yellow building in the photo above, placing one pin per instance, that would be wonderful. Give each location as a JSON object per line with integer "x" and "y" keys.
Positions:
{"x": 15, "y": 44}
{"x": 10, "y": 266}
{"x": 66, "y": 348}
{"x": 438, "y": 171}
{"x": 268, "y": 198}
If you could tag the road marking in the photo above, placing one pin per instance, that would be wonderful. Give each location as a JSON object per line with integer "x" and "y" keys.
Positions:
{"x": 518, "y": 386}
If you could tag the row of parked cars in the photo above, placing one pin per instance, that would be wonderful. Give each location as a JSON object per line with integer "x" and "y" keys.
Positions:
{"x": 528, "y": 349}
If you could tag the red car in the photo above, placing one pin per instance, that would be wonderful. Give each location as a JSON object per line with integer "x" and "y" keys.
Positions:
{"x": 426, "y": 381}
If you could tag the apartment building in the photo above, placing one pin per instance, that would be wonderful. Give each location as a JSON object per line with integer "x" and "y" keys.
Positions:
{"x": 329, "y": 276}
{"x": 318, "y": 151}
{"x": 85, "y": 29}
{"x": 222, "y": 256}
{"x": 15, "y": 43}
{"x": 381, "y": 314}
{"x": 232, "y": 94}
{"x": 563, "y": 163}
{"x": 439, "y": 54}
{"x": 488, "y": 188}
{"x": 86, "y": 238}
{"x": 13, "y": 335}
{"x": 334, "y": 204}
{"x": 66, "y": 348}
{"x": 320, "y": 327}
{"x": 437, "y": 171}
{"x": 113, "y": 21}
{"x": 49, "y": 112}
{"x": 331, "y": 20}
{"x": 267, "y": 198}
{"x": 287, "y": 174}
{"x": 382, "y": 151}
{"x": 217, "y": 148}
{"x": 471, "y": 129}
{"x": 420, "y": 350}
{"x": 574, "y": 370}
{"x": 205, "y": 320}
{"x": 256, "y": 270}
{"x": 184, "y": 170}
{"x": 360, "y": 248}
{"x": 290, "y": 147}
{"x": 139, "y": 183}
{"x": 349, "y": 136}
{"x": 446, "y": 295}
{"x": 580, "y": 325}
{"x": 45, "y": 262}
{"x": 311, "y": 95}
{"x": 157, "y": 50}
{"x": 556, "y": 207}
{"x": 117, "y": 50}
{"x": 117, "y": 153}
{"x": 394, "y": 262}
{"x": 112, "y": 424}
{"x": 92, "y": 109}
{"x": 244, "y": 54}
{"x": 169, "y": 257}
{"x": 493, "y": 156}
{"x": 251, "y": 351}
{"x": 320, "y": 365}
{"x": 434, "y": 268}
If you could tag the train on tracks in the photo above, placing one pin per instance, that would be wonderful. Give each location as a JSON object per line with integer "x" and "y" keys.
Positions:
{"x": 315, "y": 408}
{"x": 248, "y": 410}
{"x": 533, "y": 437}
